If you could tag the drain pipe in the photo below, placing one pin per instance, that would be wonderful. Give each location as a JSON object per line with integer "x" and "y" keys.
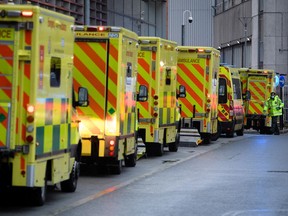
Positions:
{"x": 87, "y": 12}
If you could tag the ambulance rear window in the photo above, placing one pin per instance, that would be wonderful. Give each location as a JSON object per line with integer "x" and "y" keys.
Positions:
{"x": 55, "y": 72}
{"x": 222, "y": 94}
{"x": 237, "y": 88}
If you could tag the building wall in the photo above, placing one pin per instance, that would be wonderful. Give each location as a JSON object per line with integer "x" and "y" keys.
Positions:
{"x": 231, "y": 20}
{"x": 145, "y": 17}
{"x": 268, "y": 30}
{"x": 273, "y": 36}
{"x": 200, "y": 31}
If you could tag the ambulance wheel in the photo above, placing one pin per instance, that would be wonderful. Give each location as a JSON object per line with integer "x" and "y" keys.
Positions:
{"x": 159, "y": 149}
{"x": 262, "y": 131}
{"x": 173, "y": 147}
{"x": 130, "y": 160}
{"x": 215, "y": 136}
{"x": 39, "y": 195}
{"x": 149, "y": 149}
{"x": 116, "y": 168}
{"x": 240, "y": 132}
{"x": 206, "y": 138}
{"x": 70, "y": 184}
{"x": 269, "y": 130}
{"x": 230, "y": 134}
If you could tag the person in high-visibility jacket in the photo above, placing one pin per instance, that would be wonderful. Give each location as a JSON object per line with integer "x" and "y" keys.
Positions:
{"x": 274, "y": 106}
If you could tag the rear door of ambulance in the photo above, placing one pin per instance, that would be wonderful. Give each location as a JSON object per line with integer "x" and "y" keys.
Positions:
{"x": 257, "y": 85}
{"x": 10, "y": 98}
{"x": 91, "y": 62}
{"x": 147, "y": 76}
{"x": 192, "y": 74}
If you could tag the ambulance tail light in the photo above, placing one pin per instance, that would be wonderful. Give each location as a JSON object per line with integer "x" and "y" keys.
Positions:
{"x": 30, "y": 109}
{"x": 208, "y": 108}
{"x": 208, "y": 104}
{"x": 155, "y": 109}
{"x": 30, "y": 120}
{"x": 111, "y": 148}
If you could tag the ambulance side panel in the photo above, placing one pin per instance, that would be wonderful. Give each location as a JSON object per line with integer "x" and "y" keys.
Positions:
{"x": 230, "y": 106}
{"x": 38, "y": 50}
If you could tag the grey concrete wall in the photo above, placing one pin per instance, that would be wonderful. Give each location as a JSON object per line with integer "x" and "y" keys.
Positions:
{"x": 200, "y": 31}
{"x": 146, "y": 18}
{"x": 228, "y": 27}
{"x": 275, "y": 32}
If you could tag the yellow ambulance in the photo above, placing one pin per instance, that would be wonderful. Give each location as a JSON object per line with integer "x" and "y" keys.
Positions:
{"x": 230, "y": 102}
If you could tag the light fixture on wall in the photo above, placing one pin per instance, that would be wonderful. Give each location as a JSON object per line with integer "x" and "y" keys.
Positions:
{"x": 190, "y": 20}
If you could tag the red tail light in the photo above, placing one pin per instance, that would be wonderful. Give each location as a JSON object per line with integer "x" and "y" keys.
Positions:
{"x": 29, "y": 125}
{"x": 111, "y": 148}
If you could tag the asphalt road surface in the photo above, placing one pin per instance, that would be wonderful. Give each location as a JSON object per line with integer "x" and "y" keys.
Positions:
{"x": 240, "y": 176}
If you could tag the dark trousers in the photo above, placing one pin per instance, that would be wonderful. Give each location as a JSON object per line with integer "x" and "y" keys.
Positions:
{"x": 275, "y": 124}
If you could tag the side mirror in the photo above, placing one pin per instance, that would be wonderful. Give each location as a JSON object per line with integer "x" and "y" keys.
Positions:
{"x": 182, "y": 92}
{"x": 142, "y": 96}
{"x": 83, "y": 97}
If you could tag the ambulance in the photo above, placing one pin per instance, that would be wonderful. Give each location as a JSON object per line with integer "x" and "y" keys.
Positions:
{"x": 230, "y": 102}
{"x": 257, "y": 84}
{"x": 105, "y": 59}
{"x": 39, "y": 139}
{"x": 159, "y": 115}
{"x": 198, "y": 71}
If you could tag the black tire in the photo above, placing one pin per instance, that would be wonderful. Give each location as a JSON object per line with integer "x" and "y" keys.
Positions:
{"x": 173, "y": 147}
{"x": 39, "y": 195}
{"x": 149, "y": 149}
{"x": 206, "y": 138}
{"x": 130, "y": 160}
{"x": 70, "y": 184}
{"x": 230, "y": 134}
{"x": 262, "y": 131}
{"x": 116, "y": 168}
{"x": 240, "y": 132}
{"x": 159, "y": 149}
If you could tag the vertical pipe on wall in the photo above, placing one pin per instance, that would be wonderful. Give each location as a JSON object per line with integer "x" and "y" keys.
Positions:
{"x": 87, "y": 12}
